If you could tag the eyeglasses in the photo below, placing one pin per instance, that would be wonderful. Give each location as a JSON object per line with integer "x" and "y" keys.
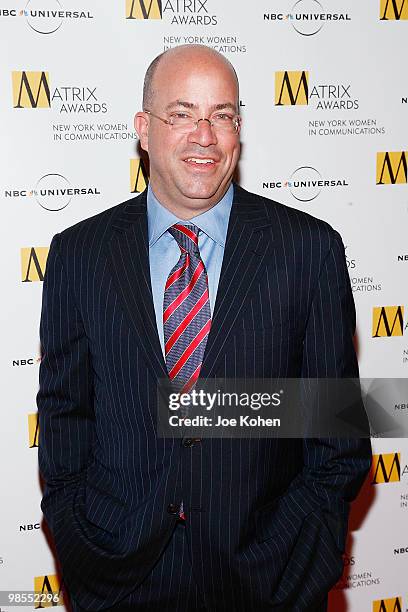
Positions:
{"x": 184, "y": 123}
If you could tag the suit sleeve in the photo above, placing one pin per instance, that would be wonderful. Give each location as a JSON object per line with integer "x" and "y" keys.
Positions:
{"x": 65, "y": 396}
{"x": 310, "y": 519}
{"x": 334, "y": 468}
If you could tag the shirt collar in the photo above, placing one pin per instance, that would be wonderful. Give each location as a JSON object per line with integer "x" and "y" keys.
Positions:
{"x": 213, "y": 222}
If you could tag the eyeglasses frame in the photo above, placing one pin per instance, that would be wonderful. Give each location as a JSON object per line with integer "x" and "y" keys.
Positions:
{"x": 237, "y": 120}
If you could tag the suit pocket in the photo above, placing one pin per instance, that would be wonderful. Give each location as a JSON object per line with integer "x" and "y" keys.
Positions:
{"x": 102, "y": 510}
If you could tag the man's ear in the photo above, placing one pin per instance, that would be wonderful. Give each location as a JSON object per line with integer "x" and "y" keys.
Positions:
{"x": 142, "y": 130}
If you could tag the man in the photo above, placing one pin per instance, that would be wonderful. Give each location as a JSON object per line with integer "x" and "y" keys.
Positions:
{"x": 194, "y": 277}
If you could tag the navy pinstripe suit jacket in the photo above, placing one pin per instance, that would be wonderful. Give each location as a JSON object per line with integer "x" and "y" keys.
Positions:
{"x": 266, "y": 519}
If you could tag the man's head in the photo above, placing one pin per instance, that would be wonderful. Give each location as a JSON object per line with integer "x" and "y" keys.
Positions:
{"x": 200, "y": 82}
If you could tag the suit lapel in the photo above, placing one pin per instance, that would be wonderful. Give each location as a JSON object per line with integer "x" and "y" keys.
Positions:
{"x": 129, "y": 261}
{"x": 248, "y": 246}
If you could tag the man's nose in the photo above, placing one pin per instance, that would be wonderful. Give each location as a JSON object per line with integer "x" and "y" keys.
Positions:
{"x": 204, "y": 134}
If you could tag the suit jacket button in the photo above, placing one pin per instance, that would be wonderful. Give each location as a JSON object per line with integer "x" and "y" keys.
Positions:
{"x": 172, "y": 509}
{"x": 187, "y": 442}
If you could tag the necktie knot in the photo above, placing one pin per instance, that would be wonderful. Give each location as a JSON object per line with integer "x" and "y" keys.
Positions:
{"x": 186, "y": 237}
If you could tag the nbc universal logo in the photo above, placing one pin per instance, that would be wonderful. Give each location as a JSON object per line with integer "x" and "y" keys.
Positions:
{"x": 53, "y": 192}
{"x": 45, "y": 16}
{"x": 173, "y": 12}
{"x": 306, "y": 17}
{"x": 305, "y": 183}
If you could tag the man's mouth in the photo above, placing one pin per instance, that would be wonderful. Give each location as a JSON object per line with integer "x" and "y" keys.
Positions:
{"x": 200, "y": 160}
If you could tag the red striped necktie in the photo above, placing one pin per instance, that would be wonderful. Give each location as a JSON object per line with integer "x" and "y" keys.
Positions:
{"x": 186, "y": 313}
{"x": 186, "y": 310}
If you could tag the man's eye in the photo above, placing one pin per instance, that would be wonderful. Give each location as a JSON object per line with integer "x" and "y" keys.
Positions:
{"x": 223, "y": 117}
{"x": 180, "y": 115}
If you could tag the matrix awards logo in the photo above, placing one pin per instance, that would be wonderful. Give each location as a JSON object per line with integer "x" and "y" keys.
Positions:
{"x": 392, "y": 167}
{"x": 52, "y": 192}
{"x": 51, "y": 590}
{"x": 143, "y": 9}
{"x": 33, "y": 430}
{"x": 365, "y": 282}
{"x": 31, "y": 89}
{"x": 292, "y": 88}
{"x": 175, "y": 12}
{"x": 45, "y": 16}
{"x": 388, "y": 469}
{"x": 388, "y": 321}
{"x": 305, "y": 183}
{"x": 393, "y": 9}
{"x": 385, "y": 468}
{"x": 33, "y": 262}
{"x": 138, "y": 176}
{"x": 353, "y": 578}
{"x": 392, "y": 604}
{"x": 307, "y": 17}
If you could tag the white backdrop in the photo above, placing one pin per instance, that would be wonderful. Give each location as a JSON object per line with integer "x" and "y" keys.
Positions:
{"x": 324, "y": 100}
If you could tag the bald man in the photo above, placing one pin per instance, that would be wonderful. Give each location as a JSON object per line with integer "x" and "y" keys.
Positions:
{"x": 194, "y": 278}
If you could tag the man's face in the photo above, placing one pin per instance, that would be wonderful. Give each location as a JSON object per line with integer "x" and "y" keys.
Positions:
{"x": 202, "y": 85}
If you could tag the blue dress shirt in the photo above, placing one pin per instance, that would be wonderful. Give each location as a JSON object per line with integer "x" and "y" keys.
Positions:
{"x": 164, "y": 251}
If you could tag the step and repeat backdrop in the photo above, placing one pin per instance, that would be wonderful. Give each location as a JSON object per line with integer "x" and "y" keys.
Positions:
{"x": 324, "y": 101}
